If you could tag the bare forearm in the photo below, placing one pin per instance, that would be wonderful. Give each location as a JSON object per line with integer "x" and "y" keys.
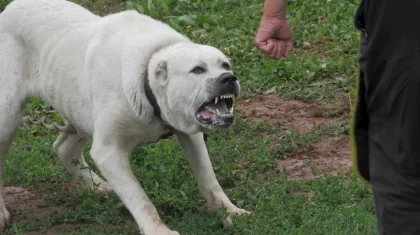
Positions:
{"x": 275, "y": 9}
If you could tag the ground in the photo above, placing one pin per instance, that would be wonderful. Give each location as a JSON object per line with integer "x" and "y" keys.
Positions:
{"x": 331, "y": 155}
{"x": 287, "y": 159}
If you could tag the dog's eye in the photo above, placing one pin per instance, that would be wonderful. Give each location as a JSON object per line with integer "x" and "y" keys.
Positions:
{"x": 226, "y": 66}
{"x": 197, "y": 70}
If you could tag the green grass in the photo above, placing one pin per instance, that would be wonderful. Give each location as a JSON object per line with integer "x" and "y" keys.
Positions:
{"x": 322, "y": 64}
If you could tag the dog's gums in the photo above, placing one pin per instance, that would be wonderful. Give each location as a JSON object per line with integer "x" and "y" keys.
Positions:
{"x": 218, "y": 111}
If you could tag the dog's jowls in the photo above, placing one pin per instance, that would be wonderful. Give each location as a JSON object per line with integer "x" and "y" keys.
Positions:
{"x": 92, "y": 70}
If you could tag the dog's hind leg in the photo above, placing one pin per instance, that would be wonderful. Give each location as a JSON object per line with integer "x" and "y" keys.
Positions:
{"x": 69, "y": 147}
{"x": 8, "y": 127}
{"x": 9, "y": 121}
{"x": 13, "y": 93}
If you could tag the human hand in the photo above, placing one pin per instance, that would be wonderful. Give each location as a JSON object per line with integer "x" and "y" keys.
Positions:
{"x": 274, "y": 37}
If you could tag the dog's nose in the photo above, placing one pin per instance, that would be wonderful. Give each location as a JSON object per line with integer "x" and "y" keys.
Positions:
{"x": 227, "y": 78}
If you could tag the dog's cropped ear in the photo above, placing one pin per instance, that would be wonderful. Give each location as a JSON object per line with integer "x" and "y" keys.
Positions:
{"x": 161, "y": 72}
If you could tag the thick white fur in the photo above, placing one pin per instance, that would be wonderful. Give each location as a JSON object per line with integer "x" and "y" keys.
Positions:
{"x": 91, "y": 70}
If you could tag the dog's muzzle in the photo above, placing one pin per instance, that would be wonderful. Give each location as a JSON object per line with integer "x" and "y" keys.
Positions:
{"x": 218, "y": 110}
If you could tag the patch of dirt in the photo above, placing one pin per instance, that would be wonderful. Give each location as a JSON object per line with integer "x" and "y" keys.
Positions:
{"x": 288, "y": 114}
{"x": 57, "y": 230}
{"x": 27, "y": 204}
{"x": 331, "y": 155}
{"x": 23, "y": 203}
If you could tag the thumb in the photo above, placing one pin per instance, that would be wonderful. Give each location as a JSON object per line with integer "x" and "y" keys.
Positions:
{"x": 262, "y": 43}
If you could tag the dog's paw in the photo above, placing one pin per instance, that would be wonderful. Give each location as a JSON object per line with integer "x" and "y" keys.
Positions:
{"x": 94, "y": 185}
{"x": 227, "y": 222}
{"x": 163, "y": 230}
{"x": 104, "y": 187}
{"x": 4, "y": 218}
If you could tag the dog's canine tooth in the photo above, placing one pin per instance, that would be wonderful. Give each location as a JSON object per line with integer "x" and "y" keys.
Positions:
{"x": 217, "y": 99}
{"x": 217, "y": 112}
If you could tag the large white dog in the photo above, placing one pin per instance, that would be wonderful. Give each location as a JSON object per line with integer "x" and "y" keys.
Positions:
{"x": 123, "y": 81}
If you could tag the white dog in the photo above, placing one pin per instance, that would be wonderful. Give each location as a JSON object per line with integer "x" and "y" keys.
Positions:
{"x": 123, "y": 81}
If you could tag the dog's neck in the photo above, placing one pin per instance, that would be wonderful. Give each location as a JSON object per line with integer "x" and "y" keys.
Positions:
{"x": 156, "y": 109}
{"x": 151, "y": 97}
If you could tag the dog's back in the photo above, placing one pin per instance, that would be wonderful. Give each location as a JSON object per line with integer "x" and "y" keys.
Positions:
{"x": 51, "y": 48}
{"x": 34, "y": 21}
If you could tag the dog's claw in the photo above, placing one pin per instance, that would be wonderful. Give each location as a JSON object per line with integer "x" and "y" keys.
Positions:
{"x": 163, "y": 230}
{"x": 227, "y": 222}
{"x": 105, "y": 187}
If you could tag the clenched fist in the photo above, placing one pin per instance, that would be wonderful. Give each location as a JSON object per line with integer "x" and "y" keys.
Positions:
{"x": 274, "y": 38}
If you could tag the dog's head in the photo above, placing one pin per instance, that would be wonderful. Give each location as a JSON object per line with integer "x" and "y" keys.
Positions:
{"x": 195, "y": 87}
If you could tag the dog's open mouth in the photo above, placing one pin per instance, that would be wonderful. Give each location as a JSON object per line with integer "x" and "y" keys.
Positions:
{"x": 218, "y": 111}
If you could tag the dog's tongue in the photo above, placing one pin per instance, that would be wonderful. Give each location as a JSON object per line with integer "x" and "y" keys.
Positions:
{"x": 213, "y": 111}
{"x": 208, "y": 113}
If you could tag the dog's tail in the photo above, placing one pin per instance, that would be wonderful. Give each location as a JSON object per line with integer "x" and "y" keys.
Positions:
{"x": 53, "y": 126}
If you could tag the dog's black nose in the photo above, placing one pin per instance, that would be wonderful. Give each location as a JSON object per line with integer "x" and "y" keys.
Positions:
{"x": 227, "y": 78}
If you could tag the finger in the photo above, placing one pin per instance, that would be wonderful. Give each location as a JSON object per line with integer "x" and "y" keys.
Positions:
{"x": 282, "y": 46}
{"x": 289, "y": 48}
{"x": 262, "y": 45}
{"x": 260, "y": 40}
{"x": 277, "y": 51}
{"x": 273, "y": 51}
{"x": 268, "y": 48}
{"x": 276, "y": 54}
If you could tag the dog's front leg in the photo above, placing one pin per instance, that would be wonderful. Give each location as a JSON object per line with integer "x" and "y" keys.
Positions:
{"x": 196, "y": 152}
{"x": 113, "y": 162}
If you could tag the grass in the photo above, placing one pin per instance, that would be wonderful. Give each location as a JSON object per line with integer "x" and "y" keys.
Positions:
{"x": 322, "y": 64}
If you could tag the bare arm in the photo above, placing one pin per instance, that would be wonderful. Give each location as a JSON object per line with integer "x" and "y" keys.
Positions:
{"x": 275, "y": 9}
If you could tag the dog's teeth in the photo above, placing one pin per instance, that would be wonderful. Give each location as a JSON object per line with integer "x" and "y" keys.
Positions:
{"x": 218, "y": 112}
{"x": 217, "y": 99}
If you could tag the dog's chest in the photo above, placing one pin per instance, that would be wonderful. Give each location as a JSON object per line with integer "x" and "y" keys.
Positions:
{"x": 154, "y": 132}
{"x": 167, "y": 132}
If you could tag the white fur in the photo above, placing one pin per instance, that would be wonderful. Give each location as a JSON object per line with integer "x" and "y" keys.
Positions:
{"x": 91, "y": 70}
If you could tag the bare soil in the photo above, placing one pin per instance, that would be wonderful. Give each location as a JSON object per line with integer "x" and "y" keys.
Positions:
{"x": 26, "y": 205}
{"x": 18, "y": 200}
{"x": 331, "y": 155}
{"x": 289, "y": 114}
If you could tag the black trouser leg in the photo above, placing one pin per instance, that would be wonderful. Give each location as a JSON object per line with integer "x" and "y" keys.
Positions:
{"x": 391, "y": 91}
